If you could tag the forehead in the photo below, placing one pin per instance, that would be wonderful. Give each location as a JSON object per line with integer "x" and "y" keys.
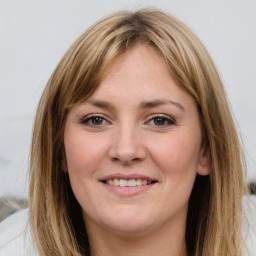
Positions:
{"x": 139, "y": 73}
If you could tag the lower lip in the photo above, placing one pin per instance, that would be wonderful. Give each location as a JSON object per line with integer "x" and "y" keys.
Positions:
{"x": 128, "y": 190}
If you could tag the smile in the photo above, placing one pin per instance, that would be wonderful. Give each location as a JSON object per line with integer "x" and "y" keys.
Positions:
{"x": 128, "y": 182}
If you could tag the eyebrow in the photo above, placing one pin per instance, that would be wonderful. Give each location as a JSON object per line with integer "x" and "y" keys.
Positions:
{"x": 144, "y": 104}
{"x": 100, "y": 104}
{"x": 157, "y": 102}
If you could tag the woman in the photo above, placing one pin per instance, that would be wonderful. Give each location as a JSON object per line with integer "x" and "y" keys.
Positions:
{"x": 134, "y": 149}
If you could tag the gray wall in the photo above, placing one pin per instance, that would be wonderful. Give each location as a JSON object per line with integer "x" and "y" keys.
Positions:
{"x": 35, "y": 34}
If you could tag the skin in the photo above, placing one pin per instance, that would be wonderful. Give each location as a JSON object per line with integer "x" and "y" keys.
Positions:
{"x": 129, "y": 139}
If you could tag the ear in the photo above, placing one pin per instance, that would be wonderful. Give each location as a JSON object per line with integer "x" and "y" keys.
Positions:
{"x": 204, "y": 162}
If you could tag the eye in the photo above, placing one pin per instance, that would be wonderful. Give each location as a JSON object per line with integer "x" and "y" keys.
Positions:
{"x": 94, "y": 120}
{"x": 161, "y": 121}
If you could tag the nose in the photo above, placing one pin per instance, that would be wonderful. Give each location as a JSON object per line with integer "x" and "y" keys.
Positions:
{"x": 127, "y": 147}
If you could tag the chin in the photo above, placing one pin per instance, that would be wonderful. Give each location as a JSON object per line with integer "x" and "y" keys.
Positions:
{"x": 129, "y": 226}
{"x": 126, "y": 220}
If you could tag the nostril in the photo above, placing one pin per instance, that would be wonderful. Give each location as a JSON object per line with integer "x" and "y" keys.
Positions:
{"x": 126, "y": 161}
{"x": 115, "y": 159}
{"x": 127, "y": 152}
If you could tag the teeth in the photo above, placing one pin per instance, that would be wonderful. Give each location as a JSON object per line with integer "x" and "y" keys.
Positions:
{"x": 131, "y": 183}
{"x": 144, "y": 182}
{"x": 123, "y": 183}
{"x": 139, "y": 182}
{"x": 128, "y": 183}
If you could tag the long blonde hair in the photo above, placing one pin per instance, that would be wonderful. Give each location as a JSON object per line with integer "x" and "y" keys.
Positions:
{"x": 215, "y": 209}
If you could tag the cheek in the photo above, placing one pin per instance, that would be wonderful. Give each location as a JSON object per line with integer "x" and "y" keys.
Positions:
{"x": 176, "y": 158}
{"x": 82, "y": 154}
{"x": 176, "y": 154}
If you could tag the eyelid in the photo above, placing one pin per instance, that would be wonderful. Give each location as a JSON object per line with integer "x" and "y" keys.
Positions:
{"x": 85, "y": 119}
{"x": 167, "y": 117}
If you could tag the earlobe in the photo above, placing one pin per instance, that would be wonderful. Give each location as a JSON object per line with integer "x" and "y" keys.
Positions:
{"x": 204, "y": 162}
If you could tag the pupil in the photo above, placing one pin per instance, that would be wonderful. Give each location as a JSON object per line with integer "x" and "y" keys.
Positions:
{"x": 159, "y": 121}
{"x": 97, "y": 120}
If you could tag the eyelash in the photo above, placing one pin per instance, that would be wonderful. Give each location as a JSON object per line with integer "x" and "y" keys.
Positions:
{"x": 89, "y": 120}
{"x": 167, "y": 120}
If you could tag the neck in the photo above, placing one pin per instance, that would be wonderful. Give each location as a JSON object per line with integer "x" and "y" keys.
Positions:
{"x": 165, "y": 242}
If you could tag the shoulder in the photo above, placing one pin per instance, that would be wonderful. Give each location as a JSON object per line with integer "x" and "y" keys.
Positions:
{"x": 15, "y": 237}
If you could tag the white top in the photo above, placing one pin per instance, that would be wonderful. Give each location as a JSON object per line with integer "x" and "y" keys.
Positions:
{"x": 15, "y": 236}
{"x": 249, "y": 231}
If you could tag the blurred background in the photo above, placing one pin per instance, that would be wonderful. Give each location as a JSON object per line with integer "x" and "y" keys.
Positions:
{"x": 34, "y": 35}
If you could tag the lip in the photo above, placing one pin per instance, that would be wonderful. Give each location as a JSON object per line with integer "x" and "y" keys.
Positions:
{"x": 127, "y": 191}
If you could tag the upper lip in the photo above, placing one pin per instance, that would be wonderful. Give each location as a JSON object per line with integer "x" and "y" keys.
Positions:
{"x": 127, "y": 177}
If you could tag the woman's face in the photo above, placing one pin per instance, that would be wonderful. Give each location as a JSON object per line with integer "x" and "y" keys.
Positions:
{"x": 133, "y": 148}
